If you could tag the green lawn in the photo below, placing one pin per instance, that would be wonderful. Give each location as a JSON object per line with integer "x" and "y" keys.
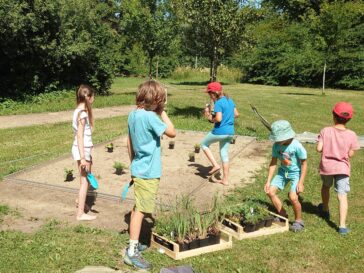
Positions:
{"x": 59, "y": 248}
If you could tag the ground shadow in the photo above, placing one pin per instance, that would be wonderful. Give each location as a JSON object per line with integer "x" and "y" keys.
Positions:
{"x": 300, "y": 94}
{"x": 188, "y": 111}
{"x": 146, "y": 230}
{"x": 90, "y": 201}
{"x": 201, "y": 170}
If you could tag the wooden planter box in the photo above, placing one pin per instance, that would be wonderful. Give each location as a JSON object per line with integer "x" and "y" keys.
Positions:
{"x": 237, "y": 231}
{"x": 158, "y": 241}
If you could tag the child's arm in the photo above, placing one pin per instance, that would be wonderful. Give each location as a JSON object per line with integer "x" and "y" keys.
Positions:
{"x": 80, "y": 144}
{"x": 170, "y": 131}
{"x": 351, "y": 153}
{"x": 236, "y": 113}
{"x": 319, "y": 146}
{"x": 300, "y": 186}
{"x": 271, "y": 170}
{"x": 130, "y": 148}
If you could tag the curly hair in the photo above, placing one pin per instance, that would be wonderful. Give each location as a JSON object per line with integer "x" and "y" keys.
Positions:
{"x": 151, "y": 96}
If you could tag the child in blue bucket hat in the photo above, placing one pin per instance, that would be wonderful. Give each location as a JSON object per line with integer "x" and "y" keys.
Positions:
{"x": 293, "y": 169}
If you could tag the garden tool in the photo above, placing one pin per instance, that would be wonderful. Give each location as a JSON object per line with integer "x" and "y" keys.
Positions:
{"x": 92, "y": 179}
{"x": 261, "y": 118}
{"x": 126, "y": 189}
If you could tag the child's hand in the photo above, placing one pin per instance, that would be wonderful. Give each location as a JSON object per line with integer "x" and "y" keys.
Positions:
{"x": 266, "y": 187}
{"x": 300, "y": 188}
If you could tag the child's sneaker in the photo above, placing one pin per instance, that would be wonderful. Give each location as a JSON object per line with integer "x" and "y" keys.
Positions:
{"x": 322, "y": 213}
{"x": 297, "y": 226}
{"x": 344, "y": 231}
{"x": 142, "y": 247}
{"x": 136, "y": 260}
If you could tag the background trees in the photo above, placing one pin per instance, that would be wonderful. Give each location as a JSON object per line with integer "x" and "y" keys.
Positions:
{"x": 47, "y": 45}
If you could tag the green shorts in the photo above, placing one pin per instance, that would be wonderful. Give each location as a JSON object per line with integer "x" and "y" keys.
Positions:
{"x": 145, "y": 192}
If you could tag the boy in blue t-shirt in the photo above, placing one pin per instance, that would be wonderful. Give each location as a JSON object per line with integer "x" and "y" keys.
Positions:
{"x": 293, "y": 169}
{"x": 146, "y": 125}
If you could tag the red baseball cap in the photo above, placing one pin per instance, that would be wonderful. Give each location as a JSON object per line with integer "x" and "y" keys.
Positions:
{"x": 214, "y": 87}
{"x": 343, "y": 110}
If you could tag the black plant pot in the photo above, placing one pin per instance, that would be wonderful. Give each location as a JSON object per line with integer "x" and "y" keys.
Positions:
{"x": 194, "y": 244}
{"x": 69, "y": 177}
{"x": 230, "y": 225}
{"x": 248, "y": 227}
{"x": 163, "y": 242}
{"x": 110, "y": 150}
{"x": 260, "y": 224}
{"x": 214, "y": 238}
{"x": 269, "y": 221}
{"x": 204, "y": 242}
{"x": 197, "y": 150}
{"x": 171, "y": 146}
{"x": 192, "y": 159}
{"x": 183, "y": 246}
{"x": 118, "y": 171}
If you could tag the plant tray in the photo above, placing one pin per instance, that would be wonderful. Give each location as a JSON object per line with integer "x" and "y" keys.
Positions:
{"x": 237, "y": 230}
{"x": 161, "y": 242}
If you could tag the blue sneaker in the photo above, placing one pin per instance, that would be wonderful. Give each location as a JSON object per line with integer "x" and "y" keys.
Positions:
{"x": 136, "y": 260}
{"x": 297, "y": 226}
{"x": 142, "y": 247}
{"x": 344, "y": 231}
{"x": 322, "y": 213}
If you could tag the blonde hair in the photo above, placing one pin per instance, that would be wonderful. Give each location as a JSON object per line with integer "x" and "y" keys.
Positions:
{"x": 151, "y": 96}
{"x": 85, "y": 91}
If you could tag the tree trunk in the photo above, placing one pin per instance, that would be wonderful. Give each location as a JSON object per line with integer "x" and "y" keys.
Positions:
{"x": 196, "y": 62}
{"x": 156, "y": 69}
{"x": 150, "y": 67}
{"x": 323, "y": 79}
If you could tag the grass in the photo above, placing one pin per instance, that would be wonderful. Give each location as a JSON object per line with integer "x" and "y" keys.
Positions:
{"x": 60, "y": 248}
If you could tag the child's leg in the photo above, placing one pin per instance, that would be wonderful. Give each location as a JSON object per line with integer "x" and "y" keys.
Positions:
{"x": 136, "y": 220}
{"x": 293, "y": 197}
{"x": 327, "y": 181}
{"x": 81, "y": 215}
{"x": 224, "y": 154}
{"x": 205, "y": 143}
{"x": 343, "y": 209}
{"x": 342, "y": 187}
{"x": 272, "y": 193}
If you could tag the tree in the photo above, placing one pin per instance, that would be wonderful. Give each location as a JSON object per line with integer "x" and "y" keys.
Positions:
{"x": 149, "y": 24}
{"x": 212, "y": 29}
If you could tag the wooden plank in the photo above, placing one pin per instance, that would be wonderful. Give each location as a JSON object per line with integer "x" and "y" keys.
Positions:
{"x": 226, "y": 242}
{"x": 240, "y": 234}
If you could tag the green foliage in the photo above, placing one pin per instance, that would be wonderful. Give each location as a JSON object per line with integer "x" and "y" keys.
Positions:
{"x": 119, "y": 166}
{"x": 48, "y": 44}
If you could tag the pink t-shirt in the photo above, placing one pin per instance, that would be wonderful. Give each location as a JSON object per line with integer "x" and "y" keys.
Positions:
{"x": 335, "y": 152}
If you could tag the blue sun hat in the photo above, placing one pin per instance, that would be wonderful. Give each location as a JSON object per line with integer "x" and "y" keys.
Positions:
{"x": 281, "y": 131}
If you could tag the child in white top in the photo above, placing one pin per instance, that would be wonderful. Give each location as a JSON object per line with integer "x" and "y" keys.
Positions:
{"x": 82, "y": 145}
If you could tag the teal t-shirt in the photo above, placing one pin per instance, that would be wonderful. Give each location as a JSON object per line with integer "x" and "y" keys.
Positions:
{"x": 290, "y": 155}
{"x": 145, "y": 129}
{"x": 226, "y": 107}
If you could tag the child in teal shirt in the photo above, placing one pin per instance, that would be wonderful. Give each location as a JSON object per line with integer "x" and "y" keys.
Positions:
{"x": 293, "y": 169}
{"x": 146, "y": 124}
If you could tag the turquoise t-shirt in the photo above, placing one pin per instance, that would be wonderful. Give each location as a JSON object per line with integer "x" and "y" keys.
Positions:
{"x": 290, "y": 155}
{"x": 145, "y": 129}
{"x": 226, "y": 107}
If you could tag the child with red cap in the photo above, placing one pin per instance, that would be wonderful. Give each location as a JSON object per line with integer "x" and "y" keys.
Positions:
{"x": 223, "y": 118}
{"x": 337, "y": 144}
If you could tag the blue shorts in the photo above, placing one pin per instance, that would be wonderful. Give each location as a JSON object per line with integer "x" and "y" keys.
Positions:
{"x": 340, "y": 181}
{"x": 283, "y": 178}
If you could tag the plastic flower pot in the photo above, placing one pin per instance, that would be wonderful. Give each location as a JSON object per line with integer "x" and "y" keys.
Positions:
{"x": 171, "y": 145}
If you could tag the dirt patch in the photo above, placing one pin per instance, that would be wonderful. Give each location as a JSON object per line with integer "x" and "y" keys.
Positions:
{"x": 41, "y": 193}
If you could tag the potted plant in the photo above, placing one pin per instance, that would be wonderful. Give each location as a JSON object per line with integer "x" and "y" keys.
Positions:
{"x": 119, "y": 167}
{"x": 197, "y": 148}
{"x": 110, "y": 147}
{"x": 68, "y": 174}
{"x": 171, "y": 144}
{"x": 191, "y": 156}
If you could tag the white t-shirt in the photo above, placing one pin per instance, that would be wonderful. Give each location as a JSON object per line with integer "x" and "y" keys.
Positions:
{"x": 87, "y": 139}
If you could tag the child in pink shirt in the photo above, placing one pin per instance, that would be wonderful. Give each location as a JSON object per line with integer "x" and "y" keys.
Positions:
{"x": 337, "y": 144}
